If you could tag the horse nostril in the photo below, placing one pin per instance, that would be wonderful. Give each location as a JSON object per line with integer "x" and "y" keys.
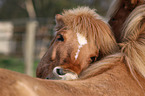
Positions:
{"x": 58, "y": 71}
{"x": 46, "y": 78}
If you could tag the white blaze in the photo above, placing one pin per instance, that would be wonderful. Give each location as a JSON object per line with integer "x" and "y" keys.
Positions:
{"x": 82, "y": 41}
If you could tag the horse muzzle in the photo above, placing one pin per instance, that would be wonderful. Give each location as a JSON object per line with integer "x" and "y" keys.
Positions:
{"x": 63, "y": 74}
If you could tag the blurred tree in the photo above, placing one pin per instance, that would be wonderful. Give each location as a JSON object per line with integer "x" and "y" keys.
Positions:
{"x": 12, "y": 9}
{"x": 48, "y": 8}
{"x": 30, "y": 9}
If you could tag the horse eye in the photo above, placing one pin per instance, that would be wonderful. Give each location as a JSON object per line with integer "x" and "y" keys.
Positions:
{"x": 93, "y": 59}
{"x": 60, "y": 38}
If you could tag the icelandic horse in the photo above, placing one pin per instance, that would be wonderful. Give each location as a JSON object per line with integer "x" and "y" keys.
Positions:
{"x": 117, "y": 74}
{"x": 118, "y": 12}
{"x": 80, "y": 40}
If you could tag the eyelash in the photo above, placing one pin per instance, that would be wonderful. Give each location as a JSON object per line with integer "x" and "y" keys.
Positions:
{"x": 60, "y": 37}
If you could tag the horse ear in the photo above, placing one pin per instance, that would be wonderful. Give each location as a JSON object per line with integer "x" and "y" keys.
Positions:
{"x": 59, "y": 20}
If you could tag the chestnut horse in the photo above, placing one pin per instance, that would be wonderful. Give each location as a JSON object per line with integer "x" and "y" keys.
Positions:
{"x": 60, "y": 60}
{"x": 118, "y": 12}
{"x": 118, "y": 74}
{"x": 81, "y": 36}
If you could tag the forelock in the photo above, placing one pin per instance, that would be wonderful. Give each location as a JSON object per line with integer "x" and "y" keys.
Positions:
{"x": 81, "y": 20}
{"x": 88, "y": 23}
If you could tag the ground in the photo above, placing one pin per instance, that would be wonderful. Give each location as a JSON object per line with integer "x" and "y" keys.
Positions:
{"x": 15, "y": 64}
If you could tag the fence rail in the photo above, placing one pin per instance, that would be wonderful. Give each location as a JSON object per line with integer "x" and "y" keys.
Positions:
{"x": 27, "y": 39}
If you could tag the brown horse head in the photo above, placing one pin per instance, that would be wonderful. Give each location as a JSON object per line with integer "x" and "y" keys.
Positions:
{"x": 81, "y": 35}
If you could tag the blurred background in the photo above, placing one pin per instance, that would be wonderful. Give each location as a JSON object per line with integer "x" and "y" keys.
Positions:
{"x": 26, "y": 29}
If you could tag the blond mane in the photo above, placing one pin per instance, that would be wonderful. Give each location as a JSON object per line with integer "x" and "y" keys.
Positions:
{"x": 133, "y": 38}
{"x": 132, "y": 48}
{"x": 102, "y": 65}
{"x": 88, "y": 23}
